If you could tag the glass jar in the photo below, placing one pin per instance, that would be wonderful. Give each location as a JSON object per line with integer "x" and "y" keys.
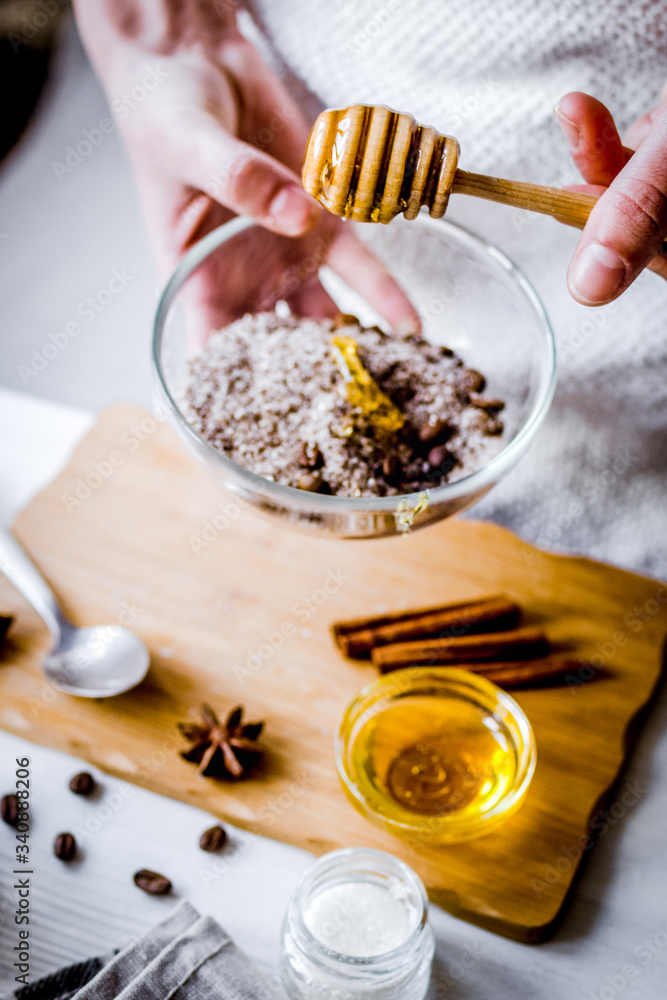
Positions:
{"x": 367, "y": 897}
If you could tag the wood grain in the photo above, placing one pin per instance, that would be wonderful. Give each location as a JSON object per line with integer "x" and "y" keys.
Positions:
{"x": 369, "y": 163}
{"x": 237, "y": 609}
{"x": 572, "y": 207}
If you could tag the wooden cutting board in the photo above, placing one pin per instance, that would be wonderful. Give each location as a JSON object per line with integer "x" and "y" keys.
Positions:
{"x": 236, "y": 608}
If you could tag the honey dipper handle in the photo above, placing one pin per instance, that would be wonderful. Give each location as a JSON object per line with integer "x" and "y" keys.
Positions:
{"x": 572, "y": 207}
{"x": 569, "y": 206}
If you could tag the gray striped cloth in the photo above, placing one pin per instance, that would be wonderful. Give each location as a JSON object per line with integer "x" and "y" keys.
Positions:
{"x": 186, "y": 957}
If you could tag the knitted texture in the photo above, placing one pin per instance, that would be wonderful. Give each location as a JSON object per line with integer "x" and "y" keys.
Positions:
{"x": 490, "y": 73}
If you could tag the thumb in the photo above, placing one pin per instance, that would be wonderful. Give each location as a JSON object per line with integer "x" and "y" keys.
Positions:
{"x": 627, "y": 225}
{"x": 245, "y": 179}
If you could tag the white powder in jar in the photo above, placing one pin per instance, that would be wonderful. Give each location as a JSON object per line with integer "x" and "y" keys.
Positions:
{"x": 361, "y": 919}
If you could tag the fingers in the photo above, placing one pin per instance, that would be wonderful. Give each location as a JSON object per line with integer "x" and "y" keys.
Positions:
{"x": 242, "y": 178}
{"x": 595, "y": 145}
{"x": 627, "y": 225}
{"x": 363, "y": 272}
{"x": 638, "y": 131}
{"x": 311, "y": 299}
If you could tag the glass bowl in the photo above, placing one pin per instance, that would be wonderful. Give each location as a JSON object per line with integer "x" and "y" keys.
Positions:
{"x": 435, "y": 755}
{"x": 470, "y": 297}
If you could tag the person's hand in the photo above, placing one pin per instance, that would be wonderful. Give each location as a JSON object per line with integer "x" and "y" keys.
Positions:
{"x": 216, "y": 135}
{"x": 626, "y": 228}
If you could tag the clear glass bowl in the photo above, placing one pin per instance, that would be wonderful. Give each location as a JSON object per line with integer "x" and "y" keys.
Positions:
{"x": 470, "y": 297}
{"x": 435, "y": 755}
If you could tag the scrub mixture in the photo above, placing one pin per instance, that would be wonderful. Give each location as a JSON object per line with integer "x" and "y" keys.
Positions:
{"x": 275, "y": 393}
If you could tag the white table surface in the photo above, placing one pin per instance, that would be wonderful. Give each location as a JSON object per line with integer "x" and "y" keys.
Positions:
{"x": 617, "y": 917}
{"x": 59, "y": 242}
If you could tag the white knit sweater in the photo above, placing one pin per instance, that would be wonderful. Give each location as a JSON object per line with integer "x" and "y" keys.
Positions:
{"x": 490, "y": 72}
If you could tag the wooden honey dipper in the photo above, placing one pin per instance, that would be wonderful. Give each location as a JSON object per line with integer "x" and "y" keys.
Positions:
{"x": 369, "y": 163}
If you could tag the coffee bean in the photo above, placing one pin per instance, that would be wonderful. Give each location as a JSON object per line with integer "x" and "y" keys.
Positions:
{"x": 402, "y": 394}
{"x": 152, "y": 883}
{"x": 446, "y": 352}
{"x": 345, "y": 319}
{"x": 494, "y": 427}
{"x": 213, "y": 839}
{"x": 64, "y": 846}
{"x": 82, "y": 784}
{"x": 9, "y": 809}
{"x": 439, "y": 431}
{"x": 391, "y": 470}
{"x": 310, "y": 482}
{"x": 441, "y": 458}
{"x": 486, "y": 403}
{"x": 310, "y": 456}
{"x": 473, "y": 380}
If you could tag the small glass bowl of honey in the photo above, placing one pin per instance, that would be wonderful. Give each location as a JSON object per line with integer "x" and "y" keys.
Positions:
{"x": 435, "y": 755}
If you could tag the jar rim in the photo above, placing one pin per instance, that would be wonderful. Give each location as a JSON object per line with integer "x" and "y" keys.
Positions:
{"x": 337, "y": 860}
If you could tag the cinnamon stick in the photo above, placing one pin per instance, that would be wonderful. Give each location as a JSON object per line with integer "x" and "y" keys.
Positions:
{"x": 357, "y": 638}
{"x": 527, "y": 673}
{"x": 517, "y": 644}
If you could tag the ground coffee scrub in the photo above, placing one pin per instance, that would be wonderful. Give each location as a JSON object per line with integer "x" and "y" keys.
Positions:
{"x": 330, "y": 406}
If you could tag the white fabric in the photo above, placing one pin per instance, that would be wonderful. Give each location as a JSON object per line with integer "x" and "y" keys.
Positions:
{"x": 490, "y": 73}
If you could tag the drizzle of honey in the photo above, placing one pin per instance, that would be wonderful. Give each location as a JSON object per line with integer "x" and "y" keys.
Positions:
{"x": 335, "y": 154}
{"x": 407, "y": 510}
{"x": 432, "y": 757}
{"x": 363, "y": 393}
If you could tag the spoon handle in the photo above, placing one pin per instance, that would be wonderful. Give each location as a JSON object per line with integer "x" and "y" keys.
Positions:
{"x": 27, "y": 579}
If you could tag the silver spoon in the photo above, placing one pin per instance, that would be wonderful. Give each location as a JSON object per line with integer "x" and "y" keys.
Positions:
{"x": 94, "y": 662}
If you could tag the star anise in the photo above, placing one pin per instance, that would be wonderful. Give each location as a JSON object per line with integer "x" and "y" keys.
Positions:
{"x": 222, "y": 750}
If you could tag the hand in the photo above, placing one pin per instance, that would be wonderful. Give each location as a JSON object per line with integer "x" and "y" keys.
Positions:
{"x": 626, "y": 228}
{"x": 218, "y": 135}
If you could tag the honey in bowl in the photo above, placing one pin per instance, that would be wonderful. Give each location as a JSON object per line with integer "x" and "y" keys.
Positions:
{"x": 441, "y": 752}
